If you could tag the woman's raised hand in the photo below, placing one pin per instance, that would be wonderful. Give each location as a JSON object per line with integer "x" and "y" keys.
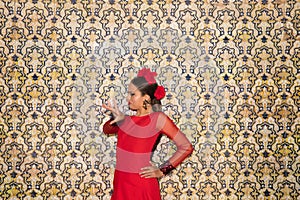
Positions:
{"x": 113, "y": 108}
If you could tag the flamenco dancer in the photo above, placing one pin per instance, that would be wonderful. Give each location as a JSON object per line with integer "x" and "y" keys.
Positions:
{"x": 136, "y": 177}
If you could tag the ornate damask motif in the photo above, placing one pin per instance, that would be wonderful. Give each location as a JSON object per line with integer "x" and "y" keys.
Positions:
{"x": 231, "y": 70}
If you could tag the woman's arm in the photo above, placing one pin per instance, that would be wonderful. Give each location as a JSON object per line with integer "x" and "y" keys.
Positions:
{"x": 109, "y": 128}
{"x": 184, "y": 147}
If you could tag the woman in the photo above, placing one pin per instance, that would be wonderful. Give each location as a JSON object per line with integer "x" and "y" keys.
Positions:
{"x": 136, "y": 178}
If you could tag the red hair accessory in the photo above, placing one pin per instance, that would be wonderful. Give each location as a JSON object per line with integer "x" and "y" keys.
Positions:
{"x": 159, "y": 92}
{"x": 148, "y": 75}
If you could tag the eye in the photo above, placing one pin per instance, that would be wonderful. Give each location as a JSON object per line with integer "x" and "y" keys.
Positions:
{"x": 131, "y": 93}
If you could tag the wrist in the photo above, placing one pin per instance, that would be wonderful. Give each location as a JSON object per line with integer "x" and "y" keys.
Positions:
{"x": 166, "y": 168}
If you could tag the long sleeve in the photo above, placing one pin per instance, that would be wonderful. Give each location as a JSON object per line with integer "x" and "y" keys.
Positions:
{"x": 110, "y": 128}
{"x": 184, "y": 147}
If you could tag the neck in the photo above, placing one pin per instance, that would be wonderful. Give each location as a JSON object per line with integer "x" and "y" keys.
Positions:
{"x": 143, "y": 112}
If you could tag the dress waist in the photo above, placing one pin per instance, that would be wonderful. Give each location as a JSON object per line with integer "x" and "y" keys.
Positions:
{"x": 130, "y": 161}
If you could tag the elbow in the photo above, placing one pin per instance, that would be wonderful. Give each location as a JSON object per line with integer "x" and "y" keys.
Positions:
{"x": 106, "y": 128}
{"x": 187, "y": 149}
{"x": 109, "y": 129}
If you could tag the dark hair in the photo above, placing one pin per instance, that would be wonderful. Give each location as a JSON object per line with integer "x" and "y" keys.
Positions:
{"x": 145, "y": 88}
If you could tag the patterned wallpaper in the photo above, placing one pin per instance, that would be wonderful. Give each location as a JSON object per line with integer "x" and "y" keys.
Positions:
{"x": 232, "y": 73}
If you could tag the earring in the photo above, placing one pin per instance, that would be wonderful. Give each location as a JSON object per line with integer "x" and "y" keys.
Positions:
{"x": 145, "y": 104}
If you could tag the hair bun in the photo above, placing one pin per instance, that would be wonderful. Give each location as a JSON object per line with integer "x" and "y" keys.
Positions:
{"x": 159, "y": 92}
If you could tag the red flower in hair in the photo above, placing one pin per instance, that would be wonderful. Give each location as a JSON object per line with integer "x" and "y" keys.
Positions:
{"x": 159, "y": 92}
{"x": 148, "y": 75}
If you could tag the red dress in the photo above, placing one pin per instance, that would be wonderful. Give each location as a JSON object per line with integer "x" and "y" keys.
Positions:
{"x": 137, "y": 136}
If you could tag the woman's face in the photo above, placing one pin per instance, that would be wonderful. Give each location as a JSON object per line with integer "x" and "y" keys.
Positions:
{"x": 134, "y": 97}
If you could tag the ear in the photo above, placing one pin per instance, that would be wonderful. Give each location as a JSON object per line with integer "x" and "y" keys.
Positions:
{"x": 147, "y": 97}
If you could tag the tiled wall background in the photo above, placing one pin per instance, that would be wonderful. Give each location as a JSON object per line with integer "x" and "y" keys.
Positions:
{"x": 231, "y": 69}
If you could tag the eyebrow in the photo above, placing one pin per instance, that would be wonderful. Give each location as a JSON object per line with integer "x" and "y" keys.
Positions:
{"x": 129, "y": 91}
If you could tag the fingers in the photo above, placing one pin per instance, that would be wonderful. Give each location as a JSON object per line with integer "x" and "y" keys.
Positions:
{"x": 151, "y": 163}
{"x": 150, "y": 172}
{"x": 106, "y": 106}
{"x": 113, "y": 121}
{"x": 151, "y": 167}
{"x": 111, "y": 105}
{"x": 147, "y": 173}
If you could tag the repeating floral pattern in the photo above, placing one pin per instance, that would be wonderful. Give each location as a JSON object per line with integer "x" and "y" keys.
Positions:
{"x": 231, "y": 70}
